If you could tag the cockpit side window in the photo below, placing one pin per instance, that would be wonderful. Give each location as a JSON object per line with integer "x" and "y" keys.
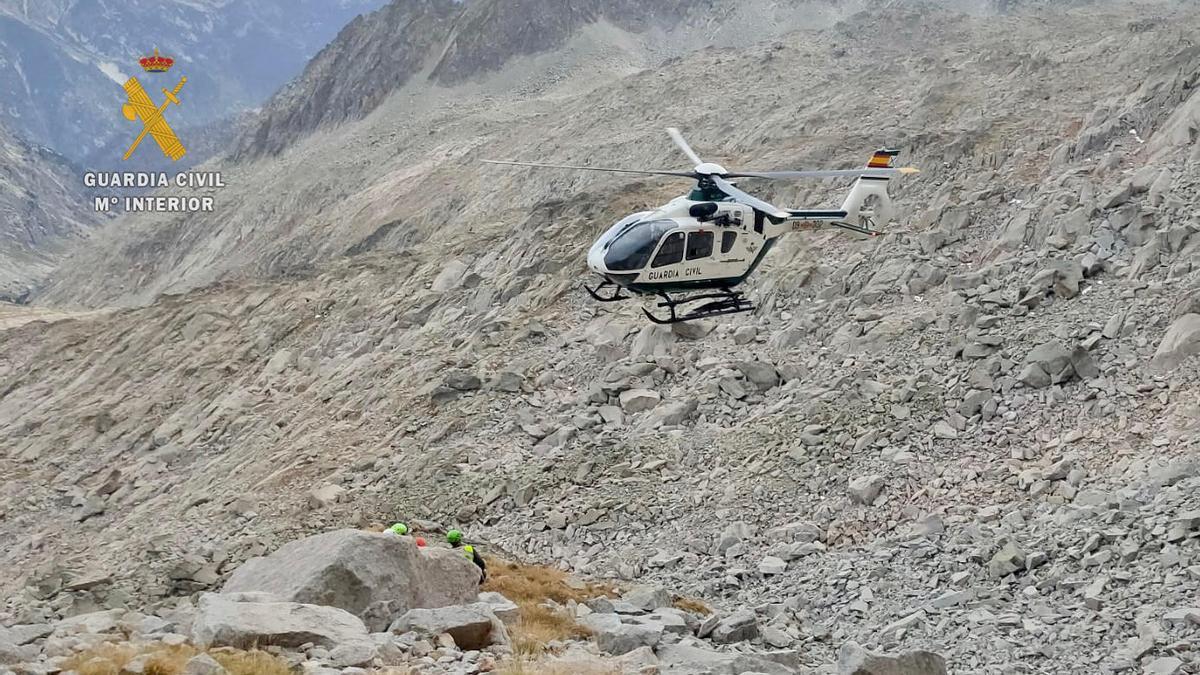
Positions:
{"x": 631, "y": 249}
{"x": 699, "y": 245}
{"x": 671, "y": 251}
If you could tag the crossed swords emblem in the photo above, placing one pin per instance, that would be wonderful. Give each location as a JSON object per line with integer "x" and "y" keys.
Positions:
{"x": 140, "y": 106}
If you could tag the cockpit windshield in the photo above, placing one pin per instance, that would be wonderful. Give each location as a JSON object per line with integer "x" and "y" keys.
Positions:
{"x": 632, "y": 248}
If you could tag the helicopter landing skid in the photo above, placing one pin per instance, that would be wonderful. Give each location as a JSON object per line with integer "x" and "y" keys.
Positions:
{"x": 722, "y": 303}
{"x": 595, "y": 292}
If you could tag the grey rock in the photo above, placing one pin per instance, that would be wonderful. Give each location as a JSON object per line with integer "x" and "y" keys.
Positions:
{"x": 673, "y": 413}
{"x": 24, "y": 634}
{"x": 854, "y": 660}
{"x": 11, "y": 653}
{"x": 1183, "y": 616}
{"x": 506, "y": 380}
{"x": 737, "y": 627}
{"x": 770, "y": 566}
{"x": 638, "y": 400}
{"x": 472, "y": 626}
{"x": 461, "y": 380}
{"x": 506, "y": 610}
{"x": 776, "y": 637}
{"x": 763, "y": 375}
{"x": 203, "y": 664}
{"x": 1053, "y": 359}
{"x": 1181, "y": 341}
{"x": 1163, "y": 665}
{"x": 373, "y": 576}
{"x": 321, "y": 497}
{"x": 669, "y": 619}
{"x": 1009, "y": 559}
{"x": 616, "y": 638}
{"x": 92, "y": 622}
{"x": 647, "y": 598}
{"x": 690, "y": 659}
{"x": 865, "y": 489}
{"x": 693, "y": 330}
{"x": 450, "y": 277}
{"x": 1034, "y": 377}
{"x": 225, "y": 621}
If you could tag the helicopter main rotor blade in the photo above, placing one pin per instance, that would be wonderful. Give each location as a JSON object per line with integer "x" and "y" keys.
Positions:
{"x": 683, "y": 145}
{"x": 826, "y": 173}
{"x": 645, "y": 172}
{"x": 749, "y": 200}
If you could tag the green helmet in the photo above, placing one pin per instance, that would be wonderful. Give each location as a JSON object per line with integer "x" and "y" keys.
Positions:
{"x": 454, "y": 537}
{"x": 398, "y": 528}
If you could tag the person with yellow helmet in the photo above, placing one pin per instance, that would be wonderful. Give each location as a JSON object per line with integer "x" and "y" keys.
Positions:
{"x": 455, "y": 538}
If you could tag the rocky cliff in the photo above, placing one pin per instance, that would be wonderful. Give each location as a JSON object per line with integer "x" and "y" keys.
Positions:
{"x": 43, "y": 210}
{"x": 62, "y": 62}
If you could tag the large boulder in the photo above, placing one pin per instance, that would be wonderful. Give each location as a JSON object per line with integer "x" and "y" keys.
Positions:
{"x": 1181, "y": 341}
{"x": 473, "y": 626}
{"x": 1053, "y": 359}
{"x": 615, "y": 637}
{"x": 374, "y": 576}
{"x": 854, "y": 660}
{"x": 251, "y": 620}
{"x": 762, "y": 374}
{"x": 688, "y": 659}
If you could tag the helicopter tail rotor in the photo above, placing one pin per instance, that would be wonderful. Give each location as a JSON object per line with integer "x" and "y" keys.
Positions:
{"x": 869, "y": 202}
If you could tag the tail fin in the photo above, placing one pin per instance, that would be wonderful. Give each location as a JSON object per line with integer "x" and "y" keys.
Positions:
{"x": 858, "y": 210}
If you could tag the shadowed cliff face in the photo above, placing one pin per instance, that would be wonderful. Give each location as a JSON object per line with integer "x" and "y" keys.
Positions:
{"x": 42, "y": 211}
{"x": 62, "y": 63}
{"x": 444, "y": 41}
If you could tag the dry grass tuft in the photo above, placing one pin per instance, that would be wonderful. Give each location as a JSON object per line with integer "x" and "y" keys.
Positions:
{"x": 252, "y": 663}
{"x": 538, "y": 666}
{"x": 170, "y": 660}
{"x": 533, "y": 583}
{"x": 539, "y": 625}
{"x": 692, "y": 605}
{"x": 530, "y": 587}
{"x": 104, "y": 659}
{"x": 109, "y": 659}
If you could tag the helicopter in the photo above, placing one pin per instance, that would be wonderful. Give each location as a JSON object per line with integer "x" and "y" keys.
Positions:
{"x": 699, "y": 247}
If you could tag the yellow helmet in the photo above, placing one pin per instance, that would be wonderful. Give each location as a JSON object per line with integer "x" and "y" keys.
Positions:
{"x": 469, "y": 551}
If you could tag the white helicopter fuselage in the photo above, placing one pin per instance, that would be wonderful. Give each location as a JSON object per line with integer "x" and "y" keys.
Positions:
{"x": 672, "y": 248}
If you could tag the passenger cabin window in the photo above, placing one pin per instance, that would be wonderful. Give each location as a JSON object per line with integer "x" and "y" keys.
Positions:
{"x": 727, "y": 241}
{"x": 699, "y": 245}
{"x": 671, "y": 251}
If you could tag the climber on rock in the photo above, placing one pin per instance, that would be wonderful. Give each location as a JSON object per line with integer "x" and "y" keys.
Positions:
{"x": 455, "y": 538}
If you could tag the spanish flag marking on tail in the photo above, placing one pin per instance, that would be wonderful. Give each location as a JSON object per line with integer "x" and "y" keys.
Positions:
{"x": 882, "y": 159}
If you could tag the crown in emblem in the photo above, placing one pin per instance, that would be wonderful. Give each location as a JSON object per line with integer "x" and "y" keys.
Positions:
{"x": 156, "y": 63}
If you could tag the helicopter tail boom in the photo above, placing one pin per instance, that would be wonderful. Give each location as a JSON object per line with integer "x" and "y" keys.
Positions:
{"x": 868, "y": 202}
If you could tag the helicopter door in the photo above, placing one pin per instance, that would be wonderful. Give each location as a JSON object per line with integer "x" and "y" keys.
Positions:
{"x": 731, "y": 249}
{"x": 699, "y": 245}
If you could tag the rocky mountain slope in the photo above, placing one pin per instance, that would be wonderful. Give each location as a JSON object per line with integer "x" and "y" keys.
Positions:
{"x": 64, "y": 61}
{"x": 975, "y": 435}
{"x": 43, "y": 209}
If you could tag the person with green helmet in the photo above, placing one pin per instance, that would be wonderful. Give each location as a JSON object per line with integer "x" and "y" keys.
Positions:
{"x": 398, "y": 528}
{"x": 455, "y": 538}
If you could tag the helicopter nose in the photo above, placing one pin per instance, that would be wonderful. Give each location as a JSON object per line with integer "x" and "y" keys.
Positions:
{"x": 595, "y": 259}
